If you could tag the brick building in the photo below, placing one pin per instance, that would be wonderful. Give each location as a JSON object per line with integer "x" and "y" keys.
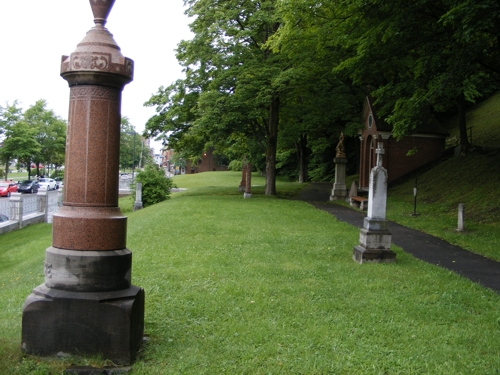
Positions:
{"x": 206, "y": 163}
{"x": 428, "y": 140}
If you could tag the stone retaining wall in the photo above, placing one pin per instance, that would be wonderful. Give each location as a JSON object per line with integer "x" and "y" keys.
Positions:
{"x": 24, "y": 209}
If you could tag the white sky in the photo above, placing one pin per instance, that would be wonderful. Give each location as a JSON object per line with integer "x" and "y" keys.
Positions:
{"x": 34, "y": 34}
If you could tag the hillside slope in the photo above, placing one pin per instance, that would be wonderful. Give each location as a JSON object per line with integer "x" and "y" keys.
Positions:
{"x": 473, "y": 180}
{"x": 484, "y": 121}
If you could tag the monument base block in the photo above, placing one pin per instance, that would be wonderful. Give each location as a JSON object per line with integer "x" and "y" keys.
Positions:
{"x": 242, "y": 188}
{"x": 338, "y": 194}
{"x": 107, "y": 323}
{"x": 247, "y": 195}
{"x": 362, "y": 255}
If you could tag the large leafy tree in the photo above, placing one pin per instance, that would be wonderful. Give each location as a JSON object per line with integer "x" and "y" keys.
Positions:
{"x": 20, "y": 143}
{"x": 133, "y": 154}
{"x": 411, "y": 56}
{"x": 233, "y": 81}
{"x": 49, "y": 132}
{"x": 9, "y": 116}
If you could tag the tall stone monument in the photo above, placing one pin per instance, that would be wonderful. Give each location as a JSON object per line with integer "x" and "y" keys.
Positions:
{"x": 374, "y": 238}
{"x": 88, "y": 304}
{"x": 339, "y": 190}
{"x": 138, "y": 196}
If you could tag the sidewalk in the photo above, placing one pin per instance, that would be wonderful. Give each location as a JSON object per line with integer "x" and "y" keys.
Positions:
{"x": 421, "y": 245}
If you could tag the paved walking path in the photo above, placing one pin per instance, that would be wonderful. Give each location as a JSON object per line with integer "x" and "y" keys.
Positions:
{"x": 422, "y": 246}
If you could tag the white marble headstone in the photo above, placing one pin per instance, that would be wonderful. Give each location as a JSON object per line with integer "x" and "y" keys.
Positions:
{"x": 377, "y": 194}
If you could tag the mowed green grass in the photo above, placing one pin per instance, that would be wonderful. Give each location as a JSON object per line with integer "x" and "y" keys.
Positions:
{"x": 268, "y": 286}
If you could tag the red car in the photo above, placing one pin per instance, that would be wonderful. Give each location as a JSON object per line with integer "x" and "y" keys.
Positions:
{"x": 6, "y": 188}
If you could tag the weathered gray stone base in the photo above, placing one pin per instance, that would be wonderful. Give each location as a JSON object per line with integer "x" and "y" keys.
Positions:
{"x": 337, "y": 194}
{"x": 374, "y": 243}
{"x": 374, "y": 239}
{"x": 88, "y": 271}
{"x": 247, "y": 195}
{"x": 106, "y": 323}
{"x": 362, "y": 255}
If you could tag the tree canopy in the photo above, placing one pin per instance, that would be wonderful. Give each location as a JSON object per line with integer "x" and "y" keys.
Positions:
{"x": 133, "y": 154}
{"x": 36, "y": 135}
{"x": 283, "y": 78}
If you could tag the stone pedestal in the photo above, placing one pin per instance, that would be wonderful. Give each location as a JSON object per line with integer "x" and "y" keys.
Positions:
{"x": 339, "y": 190}
{"x": 87, "y": 304}
{"x": 107, "y": 323}
{"x": 374, "y": 243}
{"x": 461, "y": 220}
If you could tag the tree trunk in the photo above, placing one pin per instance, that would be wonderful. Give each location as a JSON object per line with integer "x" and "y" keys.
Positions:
{"x": 272, "y": 145}
{"x": 6, "y": 169}
{"x": 462, "y": 125}
{"x": 301, "y": 147}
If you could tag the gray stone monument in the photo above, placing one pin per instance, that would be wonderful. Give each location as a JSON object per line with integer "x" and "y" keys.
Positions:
{"x": 461, "y": 218}
{"x": 339, "y": 190}
{"x": 374, "y": 238}
{"x": 138, "y": 196}
{"x": 87, "y": 304}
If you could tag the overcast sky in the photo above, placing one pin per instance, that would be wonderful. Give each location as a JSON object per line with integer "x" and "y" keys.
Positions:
{"x": 34, "y": 34}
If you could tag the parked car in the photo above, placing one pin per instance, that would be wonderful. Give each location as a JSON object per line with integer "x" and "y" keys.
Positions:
{"x": 6, "y": 188}
{"x": 47, "y": 184}
{"x": 59, "y": 182}
{"x": 28, "y": 186}
{"x": 3, "y": 218}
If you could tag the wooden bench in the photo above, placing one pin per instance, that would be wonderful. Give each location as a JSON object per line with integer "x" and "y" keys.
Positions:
{"x": 359, "y": 202}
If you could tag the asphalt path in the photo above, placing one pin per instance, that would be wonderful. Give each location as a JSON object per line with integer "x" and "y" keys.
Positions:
{"x": 421, "y": 245}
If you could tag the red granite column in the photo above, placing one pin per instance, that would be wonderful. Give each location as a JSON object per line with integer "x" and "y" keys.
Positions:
{"x": 90, "y": 218}
{"x": 243, "y": 182}
{"x": 248, "y": 186}
{"x": 87, "y": 303}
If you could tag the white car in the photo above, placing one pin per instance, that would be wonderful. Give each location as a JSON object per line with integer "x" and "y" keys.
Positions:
{"x": 47, "y": 184}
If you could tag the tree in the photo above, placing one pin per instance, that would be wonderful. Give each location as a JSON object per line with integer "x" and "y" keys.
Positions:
{"x": 155, "y": 186}
{"x": 49, "y": 132}
{"x": 9, "y": 116}
{"x": 132, "y": 153}
{"x": 20, "y": 143}
{"x": 233, "y": 81}
{"x": 409, "y": 55}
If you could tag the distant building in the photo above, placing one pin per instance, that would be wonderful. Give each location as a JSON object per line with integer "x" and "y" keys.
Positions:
{"x": 428, "y": 140}
{"x": 206, "y": 162}
{"x": 158, "y": 159}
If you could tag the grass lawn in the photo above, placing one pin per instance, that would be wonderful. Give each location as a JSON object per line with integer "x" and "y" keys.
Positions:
{"x": 268, "y": 286}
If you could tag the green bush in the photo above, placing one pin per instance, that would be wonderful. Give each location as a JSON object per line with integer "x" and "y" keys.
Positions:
{"x": 155, "y": 186}
{"x": 57, "y": 173}
{"x": 235, "y": 165}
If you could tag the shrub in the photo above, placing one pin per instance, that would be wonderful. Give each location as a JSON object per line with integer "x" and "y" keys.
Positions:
{"x": 155, "y": 186}
{"x": 57, "y": 173}
{"x": 235, "y": 165}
